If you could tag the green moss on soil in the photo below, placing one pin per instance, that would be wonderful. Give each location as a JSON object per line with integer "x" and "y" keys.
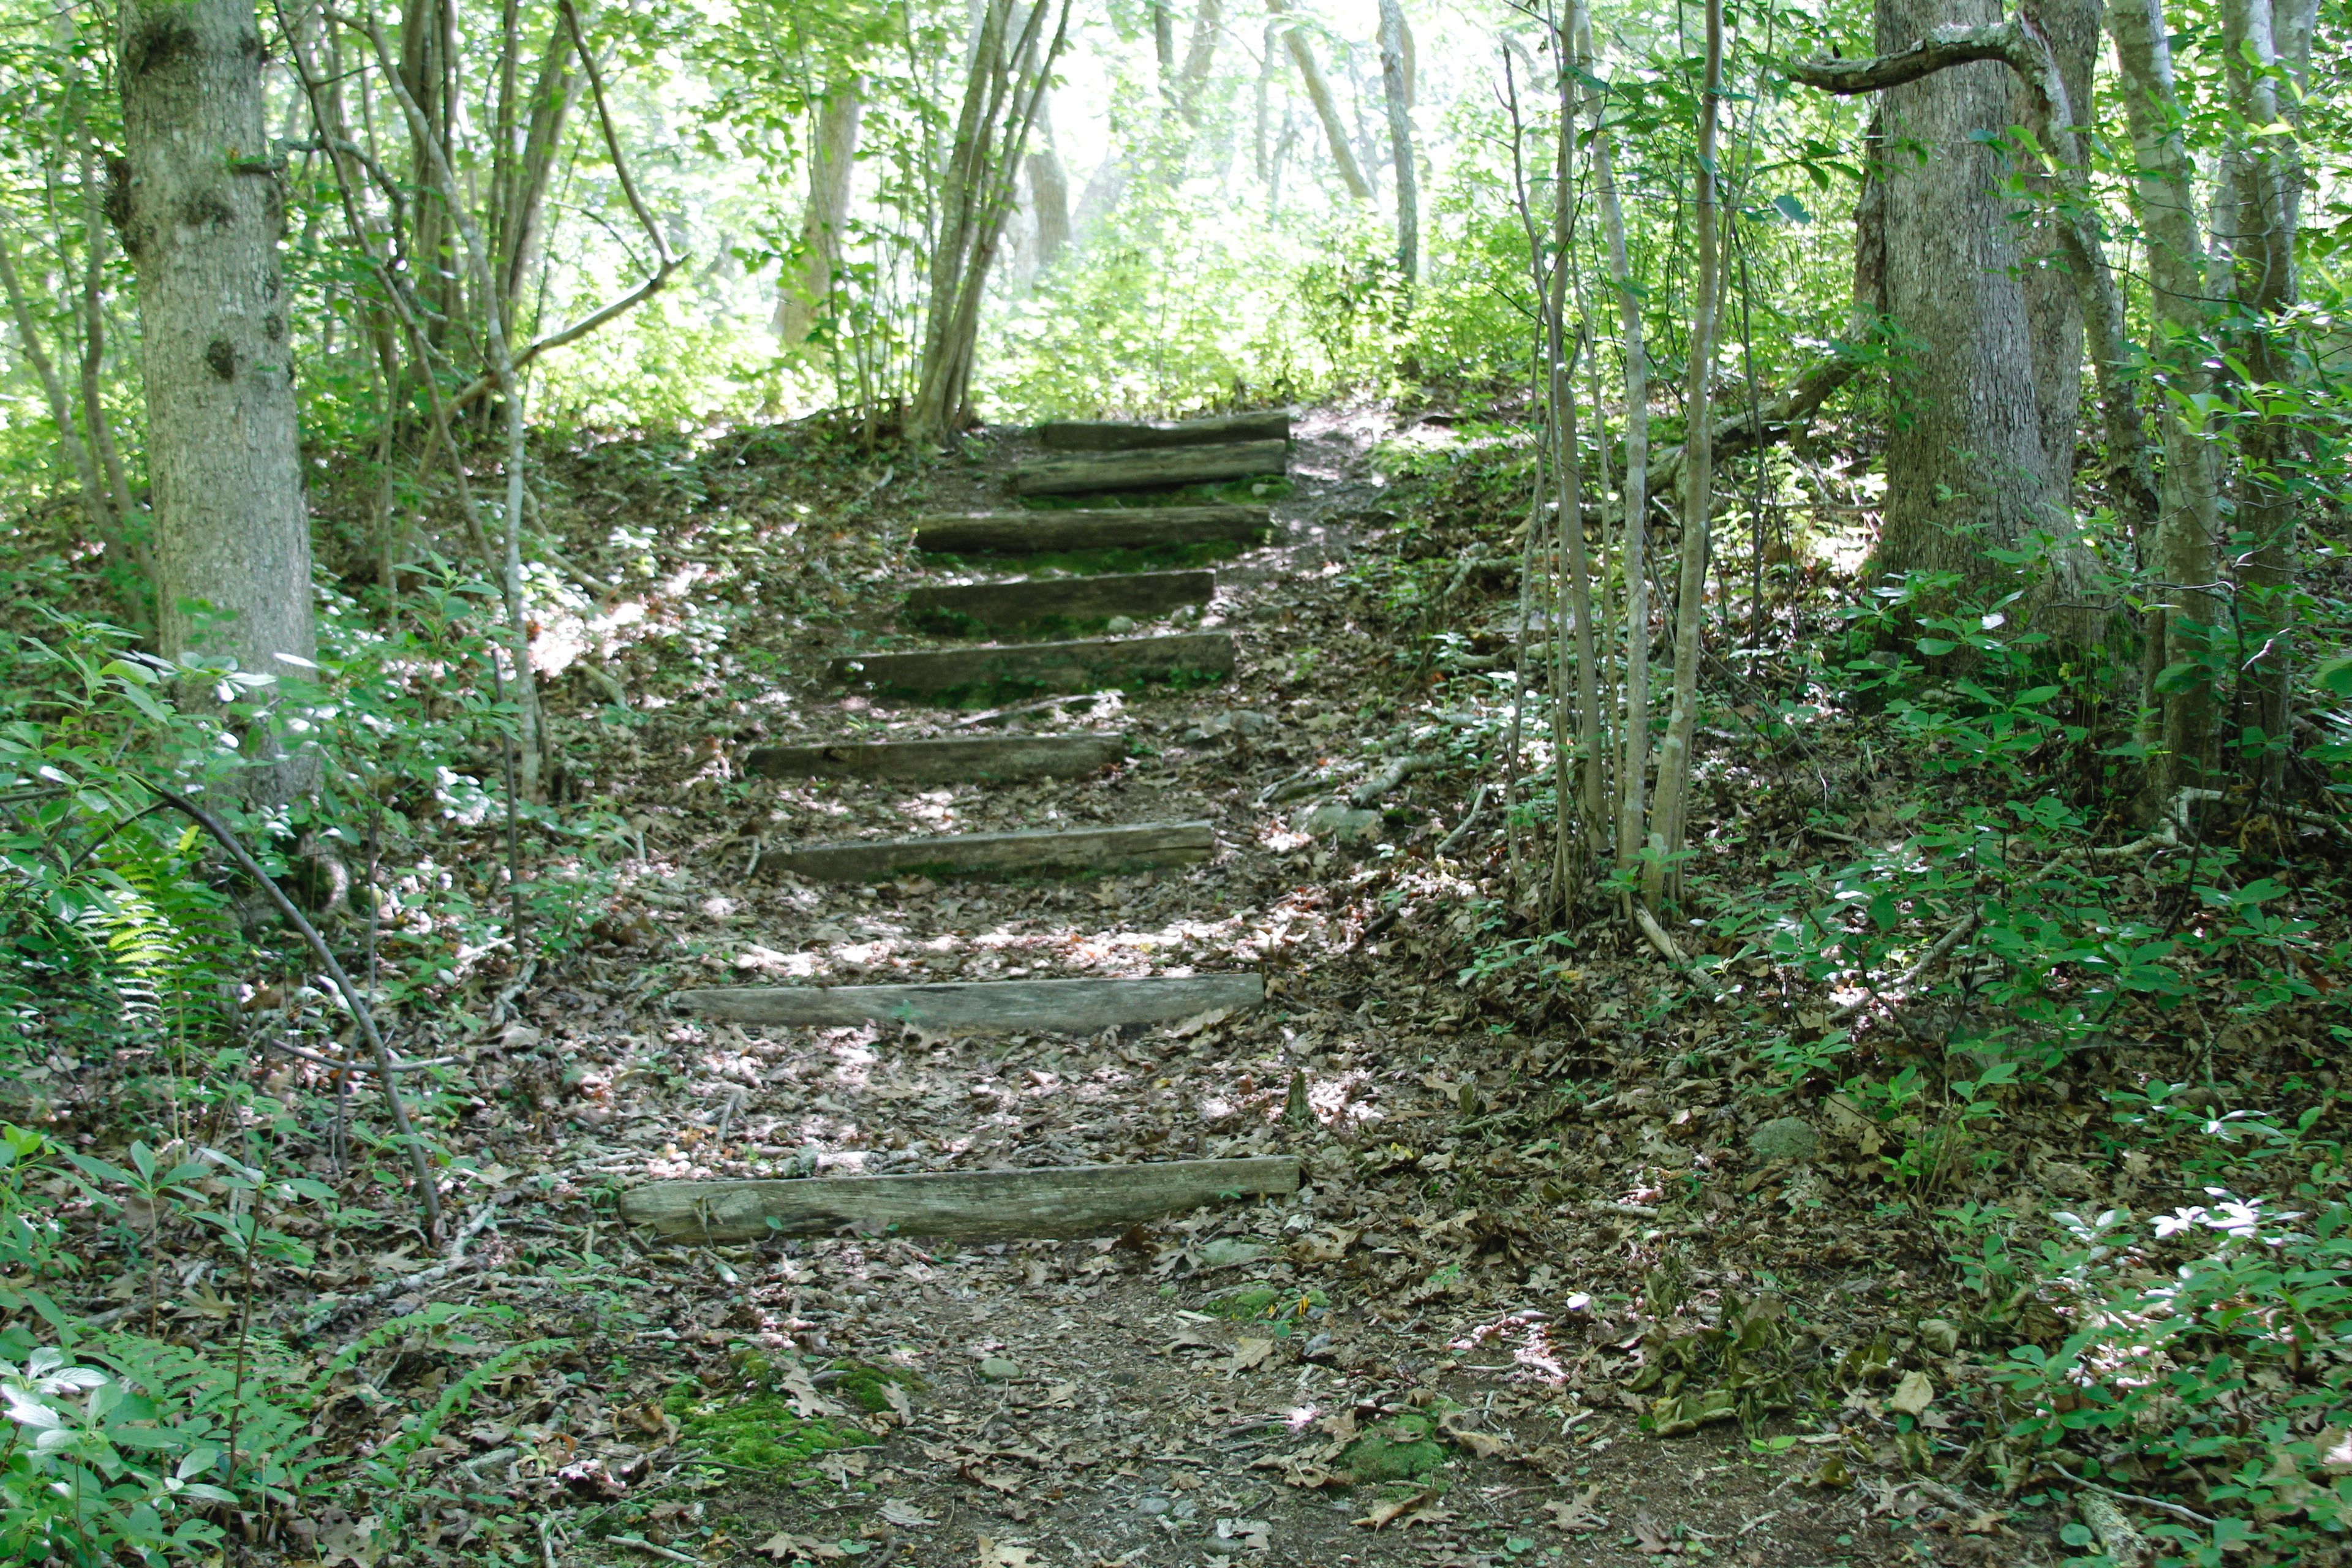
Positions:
{"x": 1404, "y": 1448}
{"x": 869, "y": 1387}
{"x": 761, "y": 1432}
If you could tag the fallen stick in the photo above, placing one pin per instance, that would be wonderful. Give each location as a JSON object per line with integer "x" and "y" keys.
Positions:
{"x": 968, "y": 1205}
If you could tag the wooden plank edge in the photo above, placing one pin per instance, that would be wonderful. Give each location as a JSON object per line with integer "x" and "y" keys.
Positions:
{"x": 814, "y": 1205}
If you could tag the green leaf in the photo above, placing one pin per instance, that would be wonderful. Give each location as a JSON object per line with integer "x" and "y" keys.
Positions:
{"x": 1792, "y": 209}
{"x": 1935, "y": 648}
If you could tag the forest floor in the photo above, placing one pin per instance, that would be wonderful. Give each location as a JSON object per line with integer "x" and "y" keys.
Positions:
{"x": 1525, "y": 1238}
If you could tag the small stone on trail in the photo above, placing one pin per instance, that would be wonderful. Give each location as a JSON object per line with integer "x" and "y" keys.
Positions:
{"x": 998, "y": 1369}
{"x": 1120, "y": 626}
{"x": 1784, "y": 1138}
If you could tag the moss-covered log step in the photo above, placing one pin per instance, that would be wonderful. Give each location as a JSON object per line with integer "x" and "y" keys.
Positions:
{"x": 1150, "y": 469}
{"x": 1069, "y": 532}
{"x": 1117, "y": 435}
{"x": 1043, "y": 602}
{"x": 976, "y": 758}
{"x": 1037, "y": 1202}
{"x": 1087, "y": 665}
{"x": 1083, "y": 1006}
{"x": 1032, "y": 851}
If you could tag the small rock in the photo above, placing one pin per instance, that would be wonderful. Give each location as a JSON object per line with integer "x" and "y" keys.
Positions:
{"x": 998, "y": 1369}
{"x": 1154, "y": 1505}
{"x": 1784, "y": 1138}
{"x": 1227, "y": 1251}
{"x": 1334, "y": 819}
{"x": 1120, "y": 626}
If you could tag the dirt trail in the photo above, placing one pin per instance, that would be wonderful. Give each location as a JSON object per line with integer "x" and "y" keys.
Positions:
{"x": 1188, "y": 1394}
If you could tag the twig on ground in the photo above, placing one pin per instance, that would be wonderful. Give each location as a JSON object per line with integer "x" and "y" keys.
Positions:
{"x": 2182, "y": 1511}
{"x": 1910, "y": 977}
{"x": 1469, "y": 819}
{"x": 428, "y": 1196}
{"x": 639, "y": 1544}
{"x": 346, "y": 1065}
{"x": 996, "y": 715}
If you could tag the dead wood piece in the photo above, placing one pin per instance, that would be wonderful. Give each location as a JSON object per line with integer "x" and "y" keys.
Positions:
{"x": 1010, "y": 606}
{"x": 1123, "y": 435}
{"x": 1087, "y": 665}
{"x": 1149, "y": 468}
{"x": 1139, "y": 528}
{"x": 974, "y": 1205}
{"x": 1005, "y": 854}
{"x": 1084, "y": 1006}
{"x": 975, "y": 757}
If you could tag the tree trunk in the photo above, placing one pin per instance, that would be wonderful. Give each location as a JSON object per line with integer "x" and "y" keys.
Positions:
{"x": 1634, "y": 755}
{"x": 1966, "y": 471}
{"x": 201, "y": 214}
{"x": 808, "y": 280}
{"x": 1001, "y": 97}
{"x": 1200, "y": 55}
{"x": 1398, "y": 92}
{"x": 1661, "y": 875}
{"x": 2264, "y": 180}
{"x": 1327, "y": 107}
{"x": 2178, "y": 713}
{"x": 521, "y": 217}
{"x": 2053, "y": 304}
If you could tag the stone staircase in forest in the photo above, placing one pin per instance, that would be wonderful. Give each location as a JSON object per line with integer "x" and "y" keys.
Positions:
{"x": 1096, "y": 459}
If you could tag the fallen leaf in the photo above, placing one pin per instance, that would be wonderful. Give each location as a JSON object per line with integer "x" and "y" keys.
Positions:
{"x": 1649, "y": 1538}
{"x": 1410, "y": 1509}
{"x": 1198, "y": 1022}
{"x": 1913, "y": 1395}
{"x": 1249, "y": 1353}
{"x": 1576, "y": 1513}
{"x": 1004, "y": 1554}
{"x": 1486, "y": 1444}
{"x": 786, "y": 1547}
{"x": 905, "y": 1515}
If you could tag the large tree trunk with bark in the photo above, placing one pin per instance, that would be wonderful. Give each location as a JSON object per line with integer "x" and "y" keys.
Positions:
{"x": 2053, "y": 302}
{"x": 1965, "y": 468}
{"x": 201, "y": 213}
{"x": 1397, "y": 91}
{"x": 2180, "y": 712}
{"x": 833, "y": 160}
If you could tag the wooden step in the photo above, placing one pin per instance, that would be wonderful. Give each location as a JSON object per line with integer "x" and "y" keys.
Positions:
{"x": 1011, "y": 606}
{"x": 1085, "y": 665}
{"x": 976, "y": 758}
{"x": 1117, "y": 436}
{"x": 1038, "y": 1201}
{"x": 982, "y": 1007}
{"x": 946, "y": 856}
{"x": 1138, "y": 528}
{"x": 1151, "y": 470}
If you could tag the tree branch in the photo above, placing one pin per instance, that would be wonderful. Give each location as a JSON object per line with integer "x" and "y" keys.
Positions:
{"x": 1939, "y": 50}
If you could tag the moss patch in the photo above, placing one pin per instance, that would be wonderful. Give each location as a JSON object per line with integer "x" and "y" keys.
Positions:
{"x": 761, "y": 1432}
{"x": 869, "y": 1387}
{"x": 1102, "y": 563}
{"x": 1404, "y": 1448}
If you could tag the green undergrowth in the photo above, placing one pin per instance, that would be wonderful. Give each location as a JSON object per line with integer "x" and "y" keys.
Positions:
{"x": 761, "y": 1429}
{"x": 1268, "y": 1303}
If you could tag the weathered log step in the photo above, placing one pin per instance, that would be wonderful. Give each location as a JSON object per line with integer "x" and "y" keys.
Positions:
{"x": 1116, "y": 436}
{"x": 1083, "y": 1006}
{"x": 1139, "y": 528}
{"x": 1039, "y": 1201}
{"x": 966, "y": 855}
{"x": 1087, "y": 665}
{"x": 1149, "y": 468}
{"x": 1010, "y": 606}
{"x": 976, "y": 758}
